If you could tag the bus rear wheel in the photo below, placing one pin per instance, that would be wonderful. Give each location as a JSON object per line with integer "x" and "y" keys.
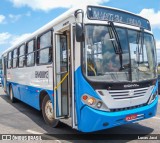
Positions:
{"x": 11, "y": 95}
{"x": 48, "y": 112}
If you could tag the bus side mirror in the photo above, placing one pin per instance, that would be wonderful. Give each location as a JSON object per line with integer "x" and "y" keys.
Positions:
{"x": 79, "y": 32}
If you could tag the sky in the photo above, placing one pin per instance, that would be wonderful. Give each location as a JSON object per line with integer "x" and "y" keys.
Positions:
{"x": 20, "y": 18}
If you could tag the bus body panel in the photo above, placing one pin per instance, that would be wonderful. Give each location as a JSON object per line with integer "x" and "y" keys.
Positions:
{"x": 28, "y": 82}
{"x": 36, "y": 76}
{"x": 28, "y": 94}
{"x": 90, "y": 119}
{"x": 15, "y": 87}
{"x": 94, "y": 120}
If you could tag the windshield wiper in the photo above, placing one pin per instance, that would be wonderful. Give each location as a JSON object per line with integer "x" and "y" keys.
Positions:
{"x": 142, "y": 43}
{"x": 117, "y": 47}
{"x": 140, "y": 36}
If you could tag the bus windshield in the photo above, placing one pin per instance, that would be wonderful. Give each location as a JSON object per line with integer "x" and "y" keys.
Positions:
{"x": 102, "y": 62}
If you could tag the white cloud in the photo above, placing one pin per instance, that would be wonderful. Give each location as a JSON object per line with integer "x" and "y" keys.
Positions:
{"x": 47, "y": 5}
{"x": 15, "y": 18}
{"x": 7, "y": 40}
{"x": 152, "y": 16}
{"x": 4, "y": 37}
{"x": 11, "y": 40}
{"x": 2, "y": 18}
{"x": 158, "y": 44}
{"x": 18, "y": 38}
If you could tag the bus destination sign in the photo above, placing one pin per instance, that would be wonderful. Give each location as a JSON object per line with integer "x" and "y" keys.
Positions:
{"x": 107, "y": 14}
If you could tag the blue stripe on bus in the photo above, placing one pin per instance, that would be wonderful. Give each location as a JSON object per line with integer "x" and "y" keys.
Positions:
{"x": 28, "y": 94}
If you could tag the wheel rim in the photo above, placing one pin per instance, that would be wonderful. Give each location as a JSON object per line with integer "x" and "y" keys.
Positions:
{"x": 49, "y": 110}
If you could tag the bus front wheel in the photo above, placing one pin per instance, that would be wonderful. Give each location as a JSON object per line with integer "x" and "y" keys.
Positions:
{"x": 48, "y": 112}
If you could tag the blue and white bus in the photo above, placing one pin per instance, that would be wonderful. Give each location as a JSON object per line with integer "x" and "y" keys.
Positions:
{"x": 93, "y": 67}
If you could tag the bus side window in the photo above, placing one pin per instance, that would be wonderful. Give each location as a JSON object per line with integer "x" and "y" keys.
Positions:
{"x": 21, "y": 56}
{"x": 30, "y": 53}
{"x": 9, "y": 63}
{"x": 44, "y": 48}
{"x": 15, "y": 58}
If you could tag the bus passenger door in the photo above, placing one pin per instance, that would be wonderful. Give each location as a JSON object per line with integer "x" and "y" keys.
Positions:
{"x": 61, "y": 77}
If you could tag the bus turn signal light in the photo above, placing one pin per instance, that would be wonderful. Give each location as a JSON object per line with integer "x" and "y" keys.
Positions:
{"x": 89, "y": 100}
{"x": 94, "y": 102}
{"x": 85, "y": 97}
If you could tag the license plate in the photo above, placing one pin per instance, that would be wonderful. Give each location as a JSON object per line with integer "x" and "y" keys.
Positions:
{"x": 131, "y": 117}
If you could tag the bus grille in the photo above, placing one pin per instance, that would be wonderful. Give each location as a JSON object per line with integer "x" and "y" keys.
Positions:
{"x": 126, "y": 94}
{"x": 119, "y": 100}
{"x": 127, "y": 108}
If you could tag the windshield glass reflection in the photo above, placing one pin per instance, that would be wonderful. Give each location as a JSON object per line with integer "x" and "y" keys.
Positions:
{"x": 102, "y": 62}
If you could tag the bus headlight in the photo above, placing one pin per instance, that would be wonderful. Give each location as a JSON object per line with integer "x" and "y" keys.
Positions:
{"x": 94, "y": 102}
{"x": 91, "y": 101}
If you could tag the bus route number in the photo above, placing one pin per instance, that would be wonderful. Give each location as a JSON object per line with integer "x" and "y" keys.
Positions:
{"x": 41, "y": 74}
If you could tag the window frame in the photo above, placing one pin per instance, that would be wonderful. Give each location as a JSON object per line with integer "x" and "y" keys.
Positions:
{"x": 9, "y": 59}
{"x": 34, "y": 51}
{"x": 40, "y": 49}
{"x": 19, "y": 56}
{"x": 15, "y": 58}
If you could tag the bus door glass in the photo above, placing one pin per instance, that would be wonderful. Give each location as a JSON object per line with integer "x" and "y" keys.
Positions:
{"x": 61, "y": 79}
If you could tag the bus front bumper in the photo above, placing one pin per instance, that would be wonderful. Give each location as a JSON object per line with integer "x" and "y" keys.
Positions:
{"x": 94, "y": 120}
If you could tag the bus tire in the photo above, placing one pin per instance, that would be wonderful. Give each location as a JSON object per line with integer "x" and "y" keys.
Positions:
{"x": 48, "y": 112}
{"x": 11, "y": 95}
